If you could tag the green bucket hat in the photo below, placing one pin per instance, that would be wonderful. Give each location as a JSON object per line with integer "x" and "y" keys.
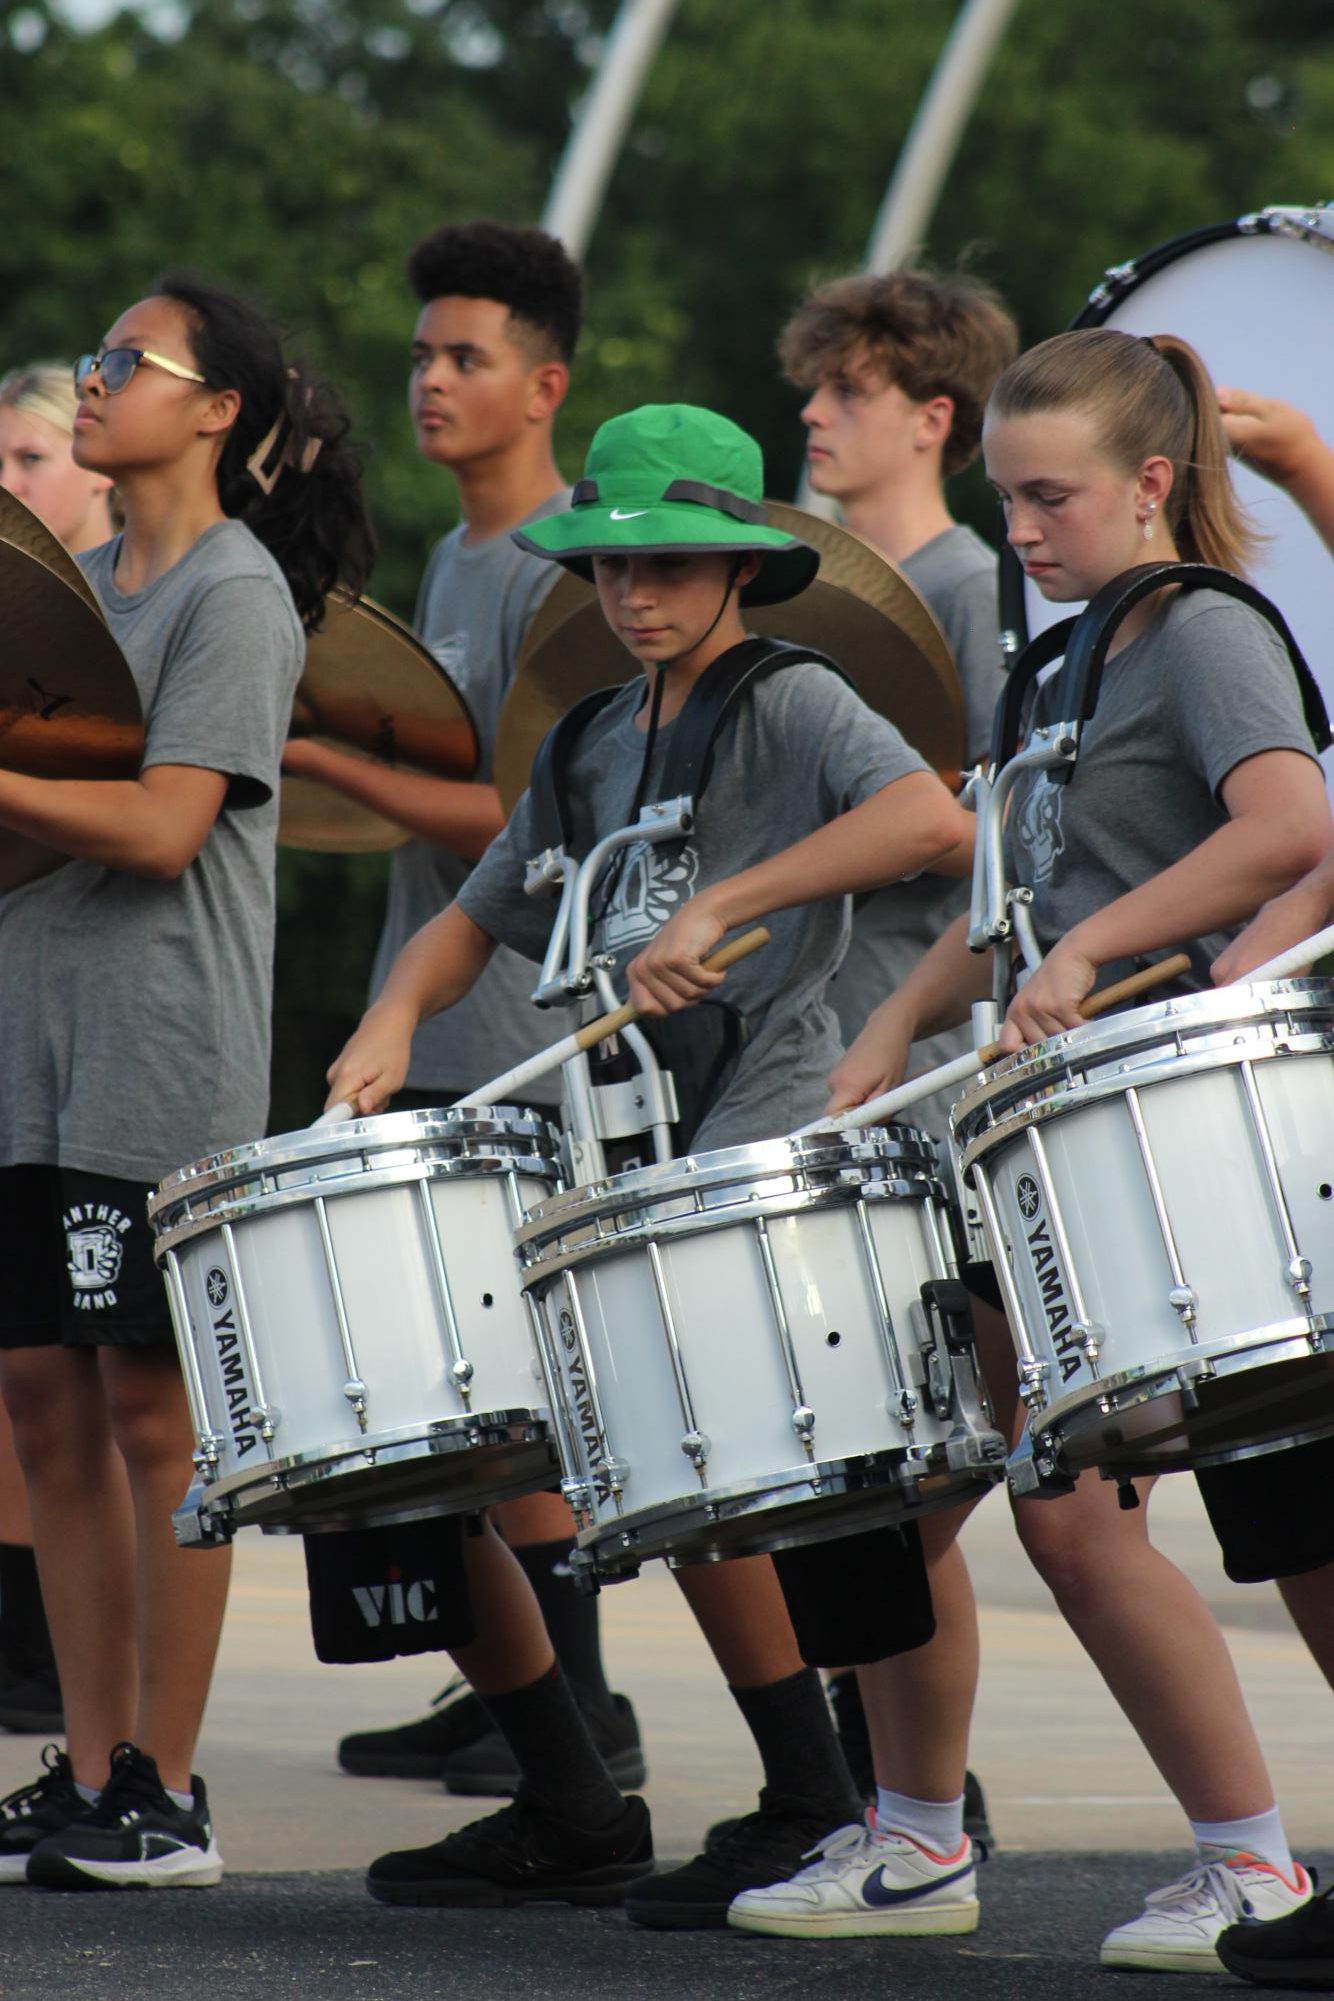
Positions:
{"x": 671, "y": 478}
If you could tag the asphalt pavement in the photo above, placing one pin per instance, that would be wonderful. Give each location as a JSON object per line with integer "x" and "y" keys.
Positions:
{"x": 1084, "y": 1823}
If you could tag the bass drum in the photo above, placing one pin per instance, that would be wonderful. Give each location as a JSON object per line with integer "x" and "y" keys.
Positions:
{"x": 1255, "y": 298}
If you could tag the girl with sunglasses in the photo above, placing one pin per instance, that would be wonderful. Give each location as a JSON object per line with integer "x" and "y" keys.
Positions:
{"x": 1198, "y": 796}
{"x": 135, "y": 994}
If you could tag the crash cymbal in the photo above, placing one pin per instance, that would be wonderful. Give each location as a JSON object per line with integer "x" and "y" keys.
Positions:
{"x": 22, "y": 528}
{"x": 371, "y": 690}
{"x": 860, "y": 610}
{"x": 69, "y": 707}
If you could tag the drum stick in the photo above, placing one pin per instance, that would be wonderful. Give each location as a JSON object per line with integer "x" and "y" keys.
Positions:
{"x": 594, "y": 1032}
{"x": 583, "y": 1038}
{"x": 1291, "y": 961}
{"x": 876, "y": 1110}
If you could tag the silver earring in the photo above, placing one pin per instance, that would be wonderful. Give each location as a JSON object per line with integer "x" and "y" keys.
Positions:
{"x": 1147, "y": 520}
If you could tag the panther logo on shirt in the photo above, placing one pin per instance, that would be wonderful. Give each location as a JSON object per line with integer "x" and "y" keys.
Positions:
{"x": 95, "y": 1241}
{"x": 653, "y": 884}
{"x": 1039, "y": 827}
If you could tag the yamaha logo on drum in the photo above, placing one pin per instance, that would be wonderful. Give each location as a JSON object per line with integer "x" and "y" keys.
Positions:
{"x": 1049, "y": 1280}
{"x": 580, "y": 1401}
{"x": 231, "y": 1366}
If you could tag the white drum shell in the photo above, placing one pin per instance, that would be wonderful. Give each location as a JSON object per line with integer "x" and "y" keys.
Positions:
{"x": 661, "y": 1323}
{"x": 264, "y": 1245}
{"x": 1165, "y": 1180}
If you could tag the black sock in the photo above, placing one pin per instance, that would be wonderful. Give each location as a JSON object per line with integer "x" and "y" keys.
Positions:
{"x": 571, "y": 1615}
{"x": 794, "y": 1734}
{"x": 544, "y": 1727}
{"x": 24, "y": 1639}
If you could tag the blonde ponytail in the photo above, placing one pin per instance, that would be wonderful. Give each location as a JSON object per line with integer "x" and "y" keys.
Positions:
{"x": 1151, "y": 398}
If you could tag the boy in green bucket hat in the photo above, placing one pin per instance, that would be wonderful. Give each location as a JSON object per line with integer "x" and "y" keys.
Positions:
{"x": 812, "y": 797}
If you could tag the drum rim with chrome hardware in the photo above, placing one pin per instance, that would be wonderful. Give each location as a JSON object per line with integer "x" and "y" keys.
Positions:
{"x": 325, "y": 1481}
{"x": 1220, "y": 1413}
{"x": 799, "y": 1501}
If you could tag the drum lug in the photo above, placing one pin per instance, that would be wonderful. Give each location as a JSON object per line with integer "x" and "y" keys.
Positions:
{"x": 355, "y": 1392}
{"x": 697, "y": 1446}
{"x": 907, "y": 1406}
{"x": 613, "y": 1473}
{"x": 1033, "y": 1385}
{"x": 803, "y": 1423}
{"x": 578, "y": 1496}
{"x": 1184, "y": 1300}
{"x": 269, "y": 1417}
{"x": 462, "y": 1372}
{"x": 205, "y": 1460}
{"x": 1089, "y": 1337}
{"x": 1299, "y": 1276}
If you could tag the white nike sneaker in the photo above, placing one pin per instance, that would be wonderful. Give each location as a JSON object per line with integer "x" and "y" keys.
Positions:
{"x": 1180, "y": 1924}
{"x": 865, "y": 1884}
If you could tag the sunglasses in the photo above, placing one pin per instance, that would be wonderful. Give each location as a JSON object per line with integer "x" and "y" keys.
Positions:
{"x": 116, "y": 366}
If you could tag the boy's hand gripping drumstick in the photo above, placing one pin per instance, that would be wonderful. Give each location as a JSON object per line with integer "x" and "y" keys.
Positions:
{"x": 587, "y": 1037}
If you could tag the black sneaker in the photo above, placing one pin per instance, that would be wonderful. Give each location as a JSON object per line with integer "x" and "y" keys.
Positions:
{"x": 975, "y": 1822}
{"x": 419, "y": 1750}
{"x": 30, "y": 1814}
{"x": 521, "y": 1855}
{"x": 487, "y": 1766}
{"x": 32, "y": 1704}
{"x": 763, "y": 1847}
{"x": 1295, "y": 1951}
{"x": 136, "y": 1837}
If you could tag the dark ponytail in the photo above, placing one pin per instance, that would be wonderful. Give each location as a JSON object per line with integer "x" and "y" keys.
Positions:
{"x": 304, "y": 499}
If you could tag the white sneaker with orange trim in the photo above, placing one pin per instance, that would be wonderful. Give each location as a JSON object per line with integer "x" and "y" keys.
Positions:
{"x": 863, "y": 1884}
{"x": 1181, "y": 1923}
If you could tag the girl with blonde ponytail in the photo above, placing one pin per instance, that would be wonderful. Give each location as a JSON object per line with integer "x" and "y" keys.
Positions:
{"x": 1197, "y": 796}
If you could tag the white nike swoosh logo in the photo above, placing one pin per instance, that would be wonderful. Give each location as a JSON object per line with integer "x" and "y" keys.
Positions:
{"x": 627, "y": 514}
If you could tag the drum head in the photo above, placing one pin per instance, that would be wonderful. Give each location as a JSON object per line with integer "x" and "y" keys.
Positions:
{"x": 1257, "y": 308}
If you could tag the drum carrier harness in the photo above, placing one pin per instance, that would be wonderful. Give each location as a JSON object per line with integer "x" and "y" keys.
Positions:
{"x": 1000, "y": 916}
{"x": 679, "y": 1063}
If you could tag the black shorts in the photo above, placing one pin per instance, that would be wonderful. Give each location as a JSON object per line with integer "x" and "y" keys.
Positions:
{"x": 1272, "y": 1514}
{"x": 76, "y": 1254}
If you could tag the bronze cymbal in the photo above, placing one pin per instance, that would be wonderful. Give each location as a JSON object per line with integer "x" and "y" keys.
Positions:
{"x": 861, "y": 610}
{"x": 25, "y": 530}
{"x": 69, "y": 707}
{"x": 371, "y": 690}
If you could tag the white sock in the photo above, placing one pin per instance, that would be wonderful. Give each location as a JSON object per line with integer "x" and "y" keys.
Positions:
{"x": 937, "y": 1824}
{"x": 88, "y": 1794}
{"x": 1262, "y": 1834}
{"x": 183, "y": 1800}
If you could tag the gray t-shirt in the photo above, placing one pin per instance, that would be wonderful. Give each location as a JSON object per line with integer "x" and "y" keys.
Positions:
{"x": 801, "y": 749}
{"x": 134, "y": 1019}
{"x": 475, "y": 605}
{"x": 892, "y": 928}
{"x": 1206, "y": 685}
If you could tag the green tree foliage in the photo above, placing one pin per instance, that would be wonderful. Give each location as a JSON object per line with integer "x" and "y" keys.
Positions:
{"x": 299, "y": 147}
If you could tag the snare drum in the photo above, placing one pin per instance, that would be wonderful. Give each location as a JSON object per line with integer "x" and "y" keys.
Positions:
{"x": 757, "y": 1347}
{"x": 1158, "y": 1190}
{"x": 355, "y": 1345}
